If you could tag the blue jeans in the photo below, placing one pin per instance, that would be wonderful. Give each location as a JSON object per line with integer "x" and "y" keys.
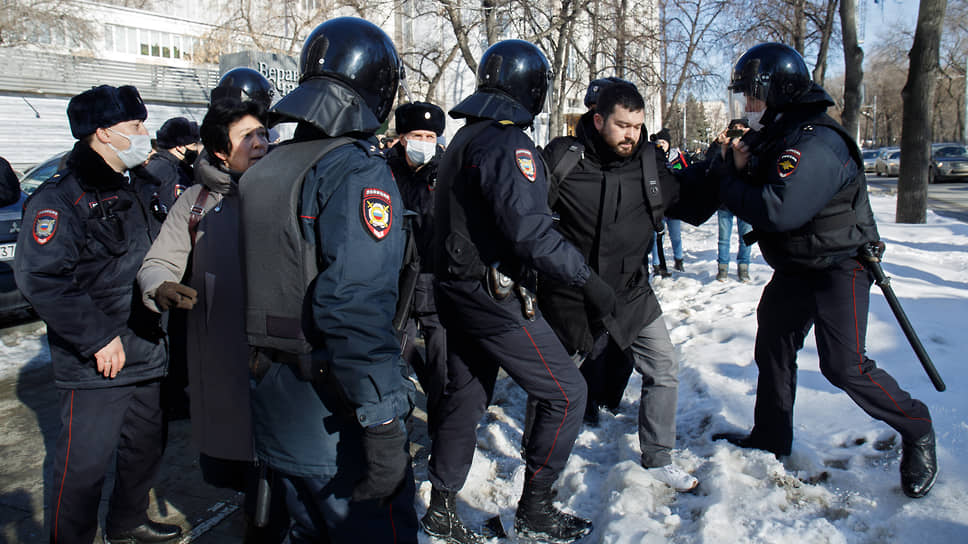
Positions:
{"x": 674, "y": 230}
{"x": 725, "y": 231}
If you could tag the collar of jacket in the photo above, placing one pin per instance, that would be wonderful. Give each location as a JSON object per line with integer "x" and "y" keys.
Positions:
{"x": 598, "y": 150}
{"x": 209, "y": 173}
{"x": 91, "y": 170}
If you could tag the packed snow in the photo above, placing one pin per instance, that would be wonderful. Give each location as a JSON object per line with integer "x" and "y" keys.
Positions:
{"x": 841, "y": 483}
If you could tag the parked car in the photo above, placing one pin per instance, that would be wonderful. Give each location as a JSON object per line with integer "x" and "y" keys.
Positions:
{"x": 881, "y": 165}
{"x": 40, "y": 173}
{"x": 11, "y": 301}
{"x": 870, "y": 159}
{"x": 948, "y": 162}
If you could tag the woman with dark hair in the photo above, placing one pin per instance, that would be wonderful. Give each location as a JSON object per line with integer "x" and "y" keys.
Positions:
{"x": 202, "y": 228}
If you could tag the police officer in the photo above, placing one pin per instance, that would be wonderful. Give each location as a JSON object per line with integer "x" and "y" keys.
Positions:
{"x": 493, "y": 226}
{"x": 76, "y": 265}
{"x": 414, "y": 165}
{"x": 606, "y": 211}
{"x": 329, "y": 393}
{"x": 798, "y": 179}
{"x": 178, "y": 143}
{"x": 244, "y": 84}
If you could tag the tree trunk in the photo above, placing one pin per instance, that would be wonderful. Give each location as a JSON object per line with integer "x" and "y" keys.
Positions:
{"x": 918, "y": 98}
{"x": 853, "y": 65}
{"x": 820, "y": 70}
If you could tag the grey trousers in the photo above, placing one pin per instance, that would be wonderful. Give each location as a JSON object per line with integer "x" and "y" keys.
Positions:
{"x": 654, "y": 358}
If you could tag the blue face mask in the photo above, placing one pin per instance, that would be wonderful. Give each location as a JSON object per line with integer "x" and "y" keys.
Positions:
{"x": 420, "y": 152}
{"x": 137, "y": 152}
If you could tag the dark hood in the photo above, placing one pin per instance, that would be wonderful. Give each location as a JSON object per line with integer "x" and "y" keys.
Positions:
{"x": 492, "y": 105}
{"x": 216, "y": 179}
{"x": 598, "y": 150}
{"x": 328, "y": 105}
{"x": 92, "y": 172}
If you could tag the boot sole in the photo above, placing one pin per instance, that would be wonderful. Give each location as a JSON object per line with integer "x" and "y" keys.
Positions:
{"x": 528, "y": 536}
{"x": 448, "y": 537}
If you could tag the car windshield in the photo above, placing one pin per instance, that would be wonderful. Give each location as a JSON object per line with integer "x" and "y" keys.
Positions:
{"x": 39, "y": 174}
{"x": 895, "y": 155}
{"x": 951, "y": 152}
{"x": 870, "y": 154}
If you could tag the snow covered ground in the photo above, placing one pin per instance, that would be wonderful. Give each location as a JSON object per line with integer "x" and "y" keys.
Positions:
{"x": 841, "y": 483}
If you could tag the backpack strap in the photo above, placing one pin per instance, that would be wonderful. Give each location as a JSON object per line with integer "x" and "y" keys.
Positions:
{"x": 308, "y": 206}
{"x": 653, "y": 190}
{"x": 560, "y": 165}
{"x": 198, "y": 211}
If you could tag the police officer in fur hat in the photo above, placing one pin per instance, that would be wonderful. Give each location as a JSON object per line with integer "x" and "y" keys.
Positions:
{"x": 86, "y": 232}
{"x": 414, "y": 164}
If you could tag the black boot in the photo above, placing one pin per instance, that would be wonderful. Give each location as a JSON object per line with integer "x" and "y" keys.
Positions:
{"x": 149, "y": 531}
{"x": 678, "y": 265}
{"x": 442, "y": 521}
{"x": 538, "y": 520}
{"x": 748, "y": 441}
{"x": 919, "y": 466}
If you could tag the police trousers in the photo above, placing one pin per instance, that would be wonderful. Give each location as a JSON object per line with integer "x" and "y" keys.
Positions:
{"x": 834, "y": 301}
{"x": 96, "y": 423}
{"x": 534, "y": 358}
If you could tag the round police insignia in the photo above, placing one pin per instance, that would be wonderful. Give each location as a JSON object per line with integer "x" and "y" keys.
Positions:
{"x": 787, "y": 163}
{"x": 525, "y": 163}
{"x": 179, "y": 189}
{"x": 377, "y": 212}
{"x": 45, "y": 225}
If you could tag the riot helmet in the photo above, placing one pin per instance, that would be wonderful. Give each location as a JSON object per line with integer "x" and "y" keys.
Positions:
{"x": 244, "y": 84}
{"x": 513, "y": 77}
{"x": 360, "y": 55}
{"x": 772, "y": 72}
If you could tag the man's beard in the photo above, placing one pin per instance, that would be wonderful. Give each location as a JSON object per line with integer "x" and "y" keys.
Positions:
{"x": 617, "y": 148}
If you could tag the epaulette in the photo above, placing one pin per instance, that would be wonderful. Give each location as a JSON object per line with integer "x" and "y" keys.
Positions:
{"x": 52, "y": 181}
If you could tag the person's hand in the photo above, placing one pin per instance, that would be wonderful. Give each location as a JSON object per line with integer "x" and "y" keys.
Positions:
{"x": 387, "y": 456}
{"x": 741, "y": 154}
{"x": 110, "y": 358}
{"x": 172, "y": 294}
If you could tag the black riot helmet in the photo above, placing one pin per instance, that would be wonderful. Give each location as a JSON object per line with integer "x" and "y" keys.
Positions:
{"x": 772, "y": 72}
{"x": 357, "y": 53}
{"x": 513, "y": 77}
{"x": 244, "y": 84}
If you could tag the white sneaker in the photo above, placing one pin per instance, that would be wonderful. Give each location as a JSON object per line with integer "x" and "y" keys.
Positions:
{"x": 674, "y": 477}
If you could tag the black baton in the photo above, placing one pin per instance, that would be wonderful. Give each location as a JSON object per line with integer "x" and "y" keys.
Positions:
{"x": 870, "y": 255}
{"x": 263, "y": 497}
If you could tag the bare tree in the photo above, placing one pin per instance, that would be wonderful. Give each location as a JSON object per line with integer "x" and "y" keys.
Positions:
{"x": 853, "y": 66}
{"x": 43, "y": 22}
{"x": 918, "y": 95}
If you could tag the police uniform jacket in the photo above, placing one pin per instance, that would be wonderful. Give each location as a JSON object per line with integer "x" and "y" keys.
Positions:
{"x": 310, "y": 428}
{"x": 86, "y": 233}
{"x": 171, "y": 174}
{"x": 493, "y": 211}
{"x": 605, "y": 212}
{"x": 419, "y": 189}
{"x": 804, "y": 191}
{"x": 216, "y": 346}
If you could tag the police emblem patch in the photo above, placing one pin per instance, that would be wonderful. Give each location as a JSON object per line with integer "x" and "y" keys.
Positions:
{"x": 45, "y": 225}
{"x": 377, "y": 212}
{"x": 179, "y": 189}
{"x": 525, "y": 163}
{"x": 787, "y": 163}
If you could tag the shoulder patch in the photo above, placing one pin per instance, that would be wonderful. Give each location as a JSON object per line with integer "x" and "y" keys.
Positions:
{"x": 787, "y": 163}
{"x": 45, "y": 225}
{"x": 525, "y": 163}
{"x": 179, "y": 189}
{"x": 377, "y": 213}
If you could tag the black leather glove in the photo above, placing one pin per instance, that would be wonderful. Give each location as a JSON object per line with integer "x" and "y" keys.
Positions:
{"x": 387, "y": 456}
{"x": 172, "y": 294}
{"x": 599, "y": 297}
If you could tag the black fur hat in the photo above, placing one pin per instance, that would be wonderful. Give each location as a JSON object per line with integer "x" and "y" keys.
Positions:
{"x": 662, "y": 135}
{"x": 419, "y": 116}
{"x": 177, "y": 131}
{"x": 104, "y": 106}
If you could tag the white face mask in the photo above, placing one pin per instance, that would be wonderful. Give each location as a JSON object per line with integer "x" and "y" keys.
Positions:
{"x": 420, "y": 152}
{"x": 137, "y": 152}
{"x": 754, "y": 118}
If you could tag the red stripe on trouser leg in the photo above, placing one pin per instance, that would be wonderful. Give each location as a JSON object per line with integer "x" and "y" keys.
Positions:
{"x": 70, "y": 421}
{"x": 860, "y": 355}
{"x": 567, "y": 402}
